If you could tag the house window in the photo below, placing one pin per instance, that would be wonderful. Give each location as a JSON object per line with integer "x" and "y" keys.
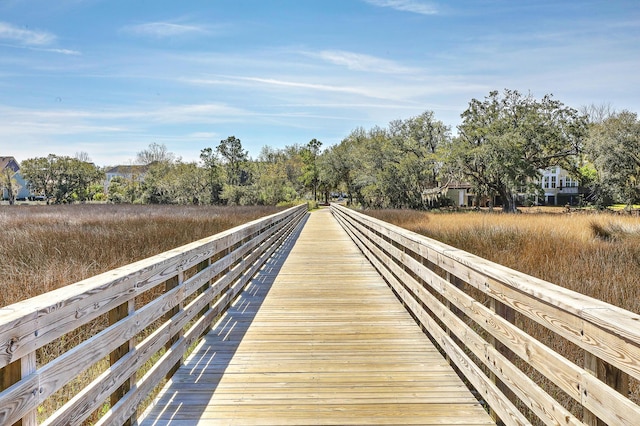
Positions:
{"x": 546, "y": 181}
{"x": 553, "y": 181}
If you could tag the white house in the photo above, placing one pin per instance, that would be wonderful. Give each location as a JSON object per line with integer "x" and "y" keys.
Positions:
{"x": 129, "y": 173}
{"x": 559, "y": 187}
{"x": 11, "y": 164}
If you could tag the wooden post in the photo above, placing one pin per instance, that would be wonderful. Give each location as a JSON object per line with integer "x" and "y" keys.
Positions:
{"x": 610, "y": 375}
{"x": 9, "y": 375}
{"x": 169, "y": 285}
{"x": 28, "y": 366}
{"x": 509, "y": 314}
{"x": 450, "y": 307}
{"x": 227, "y": 252}
{"x": 12, "y": 373}
{"x": 457, "y": 283}
{"x": 115, "y": 315}
{"x": 201, "y": 267}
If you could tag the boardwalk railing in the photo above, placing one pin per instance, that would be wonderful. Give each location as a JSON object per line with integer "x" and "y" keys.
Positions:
{"x": 535, "y": 352}
{"x": 152, "y": 311}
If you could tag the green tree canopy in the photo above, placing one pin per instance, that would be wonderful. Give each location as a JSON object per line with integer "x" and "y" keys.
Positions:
{"x": 233, "y": 156}
{"x": 160, "y": 164}
{"x": 271, "y": 180}
{"x": 389, "y": 167}
{"x": 506, "y": 139}
{"x": 61, "y": 179}
{"x": 310, "y": 173}
{"x": 211, "y": 164}
{"x": 155, "y": 153}
{"x": 614, "y": 147}
{"x": 416, "y": 144}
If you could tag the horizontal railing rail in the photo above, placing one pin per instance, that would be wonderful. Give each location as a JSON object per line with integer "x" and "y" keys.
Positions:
{"x": 151, "y": 311}
{"x": 536, "y": 353}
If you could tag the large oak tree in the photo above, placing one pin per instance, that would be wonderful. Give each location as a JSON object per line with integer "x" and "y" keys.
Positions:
{"x": 505, "y": 140}
{"x": 233, "y": 156}
{"x": 61, "y": 179}
{"x": 614, "y": 147}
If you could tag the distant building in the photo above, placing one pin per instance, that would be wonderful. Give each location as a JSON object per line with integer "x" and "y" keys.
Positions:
{"x": 460, "y": 194}
{"x": 9, "y": 163}
{"x": 559, "y": 187}
{"x": 129, "y": 173}
{"x": 12, "y": 164}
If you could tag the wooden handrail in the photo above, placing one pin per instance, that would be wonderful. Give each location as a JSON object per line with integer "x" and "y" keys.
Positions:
{"x": 156, "y": 309}
{"x": 475, "y": 309}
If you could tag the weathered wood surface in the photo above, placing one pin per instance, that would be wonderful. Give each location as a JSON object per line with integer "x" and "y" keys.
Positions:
{"x": 316, "y": 338}
{"x": 420, "y": 270}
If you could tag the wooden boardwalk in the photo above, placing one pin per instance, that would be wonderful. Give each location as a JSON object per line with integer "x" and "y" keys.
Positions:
{"x": 316, "y": 338}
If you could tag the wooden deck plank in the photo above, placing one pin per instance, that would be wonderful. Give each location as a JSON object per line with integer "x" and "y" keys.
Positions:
{"x": 317, "y": 338}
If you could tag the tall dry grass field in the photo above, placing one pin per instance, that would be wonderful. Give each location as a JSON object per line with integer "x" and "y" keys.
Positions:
{"x": 46, "y": 247}
{"x": 594, "y": 254}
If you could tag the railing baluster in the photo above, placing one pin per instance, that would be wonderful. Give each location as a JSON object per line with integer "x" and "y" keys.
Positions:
{"x": 28, "y": 366}
{"x": 509, "y": 314}
{"x": 115, "y": 315}
{"x": 12, "y": 374}
{"x": 169, "y": 285}
{"x": 591, "y": 365}
{"x": 201, "y": 267}
{"x": 610, "y": 375}
{"x": 457, "y": 283}
{"x": 9, "y": 375}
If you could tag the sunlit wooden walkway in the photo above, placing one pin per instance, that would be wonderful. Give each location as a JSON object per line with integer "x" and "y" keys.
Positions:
{"x": 316, "y": 338}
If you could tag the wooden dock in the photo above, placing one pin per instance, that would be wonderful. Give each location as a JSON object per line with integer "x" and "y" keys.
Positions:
{"x": 316, "y": 338}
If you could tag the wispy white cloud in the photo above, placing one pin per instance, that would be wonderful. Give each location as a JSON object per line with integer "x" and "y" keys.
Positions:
{"x": 25, "y": 37}
{"x": 76, "y": 121}
{"x": 127, "y": 128}
{"x": 361, "y": 62}
{"x": 64, "y": 51}
{"x": 87, "y": 120}
{"x": 192, "y": 113}
{"x": 347, "y": 89}
{"x": 165, "y": 29}
{"x": 53, "y": 50}
{"x": 202, "y": 135}
{"x": 413, "y": 6}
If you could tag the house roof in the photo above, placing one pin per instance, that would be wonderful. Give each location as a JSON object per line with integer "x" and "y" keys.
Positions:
{"x": 9, "y": 162}
{"x": 126, "y": 170}
{"x": 460, "y": 185}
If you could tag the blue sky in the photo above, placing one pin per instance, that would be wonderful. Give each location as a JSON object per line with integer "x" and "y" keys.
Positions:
{"x": 110, "y": 77}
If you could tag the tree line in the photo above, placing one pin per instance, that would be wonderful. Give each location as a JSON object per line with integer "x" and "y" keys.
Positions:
{"x": 502, "y": 143}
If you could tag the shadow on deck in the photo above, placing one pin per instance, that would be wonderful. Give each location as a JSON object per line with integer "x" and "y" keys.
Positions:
{"x": 202, "y": 372}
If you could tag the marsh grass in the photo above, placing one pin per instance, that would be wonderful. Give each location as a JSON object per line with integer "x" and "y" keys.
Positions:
{"x": 594, "y": 254}
{"x": 46, "y": 247}
{"x": 43, "y": 248}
